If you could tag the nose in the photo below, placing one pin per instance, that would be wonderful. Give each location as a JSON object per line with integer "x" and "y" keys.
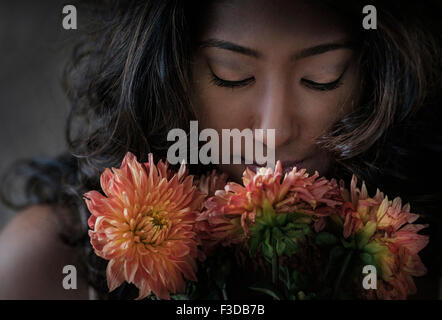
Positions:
{"x": 275, "y": 112}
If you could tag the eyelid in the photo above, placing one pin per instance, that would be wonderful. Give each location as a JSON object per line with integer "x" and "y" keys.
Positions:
{"x": 324, "y": 86}
{"x": 214, "y": 74}
{"x": 229, "y": 83}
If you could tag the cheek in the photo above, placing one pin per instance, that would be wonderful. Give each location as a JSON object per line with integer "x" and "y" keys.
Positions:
{"x": 316, "y": 112}
{"x": 220, "y": 108}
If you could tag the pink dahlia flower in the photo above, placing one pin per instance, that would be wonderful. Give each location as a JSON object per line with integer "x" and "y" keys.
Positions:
{"x": 384, "y": 229}
{"x": 228, "y": 215}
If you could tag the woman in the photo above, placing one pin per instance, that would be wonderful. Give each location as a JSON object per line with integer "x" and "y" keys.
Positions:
{"x": 342, "y": 100}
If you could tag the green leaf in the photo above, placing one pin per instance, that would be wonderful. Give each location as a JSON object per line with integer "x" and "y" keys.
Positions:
{"x": 277, "y": 234}
{"x": 348, "y": 244}
{"x": 255, "y": 229}
{"x": 367, "y": 258}
{"x": 281, "y": 219}
{"x": 294, "y": 233}
{"x": 288, "y": 226}
{"x": 280, "y": 247}
{"x": 267, "y": 250}
{"x": 326, "y": 239}
{"x": 299, "y": 225}
{"x": 291, "y": 246}
{"x": 267, "y": 237}
{"x": 306, "y": 229}
{"x": 375, "y": 248}
{"x": 367, "y": 232}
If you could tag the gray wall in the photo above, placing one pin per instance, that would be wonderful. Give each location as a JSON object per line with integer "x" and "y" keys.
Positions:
{"x": 33, "y": 48}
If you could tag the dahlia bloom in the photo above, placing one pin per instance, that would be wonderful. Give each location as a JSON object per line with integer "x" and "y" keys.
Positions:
{"x": 229, "y": 214}
{"x": 210, "y": 182}
{"x": 384, "y": 229}
{"x": 144, "y": 226}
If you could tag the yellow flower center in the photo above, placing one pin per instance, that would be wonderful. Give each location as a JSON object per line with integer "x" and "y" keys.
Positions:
{"x": 158, "y": 219}
{"x": 150, "y": 228}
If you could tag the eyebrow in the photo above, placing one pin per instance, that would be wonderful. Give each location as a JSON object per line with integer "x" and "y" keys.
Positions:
{"x": 226, "y": 45}
{"x": 319, "y": 49}
{"x": 322, "y": 48}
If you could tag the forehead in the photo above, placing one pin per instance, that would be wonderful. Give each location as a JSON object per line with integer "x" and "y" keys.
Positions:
{"x": 264, "y": 23}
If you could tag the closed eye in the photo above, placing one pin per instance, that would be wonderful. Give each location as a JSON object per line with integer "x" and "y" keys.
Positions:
{"x": 308, "y": 83}
{"x": 322, "y": 86}
{"x": 229, "y": 83}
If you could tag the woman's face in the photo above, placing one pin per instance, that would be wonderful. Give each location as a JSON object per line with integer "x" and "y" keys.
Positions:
{"x": 282, "y": 65}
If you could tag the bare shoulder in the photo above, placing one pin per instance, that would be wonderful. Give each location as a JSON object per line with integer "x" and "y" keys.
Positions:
{"x": 32, "y": 258}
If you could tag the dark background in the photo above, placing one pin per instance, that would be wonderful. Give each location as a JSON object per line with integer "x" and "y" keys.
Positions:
{"x": 33, "y": 108}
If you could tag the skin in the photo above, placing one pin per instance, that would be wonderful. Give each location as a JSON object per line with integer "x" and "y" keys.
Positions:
{"x": 32, "y": 258}
{"x": 277, "y": 95}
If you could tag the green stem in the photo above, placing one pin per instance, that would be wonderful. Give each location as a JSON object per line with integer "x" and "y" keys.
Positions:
{"x": 224, "y": 291}
{"x": 341, "y": 274}
{"x": 275, "y": 265}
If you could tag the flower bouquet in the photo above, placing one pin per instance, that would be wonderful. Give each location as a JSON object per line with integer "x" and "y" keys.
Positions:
{"x": 294, "y": 236}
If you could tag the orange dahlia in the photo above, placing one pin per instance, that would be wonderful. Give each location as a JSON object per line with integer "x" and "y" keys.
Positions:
{"x": 229, "y": 214}
{"x": 144, "y": 226}
{"x": 384, "y": 229}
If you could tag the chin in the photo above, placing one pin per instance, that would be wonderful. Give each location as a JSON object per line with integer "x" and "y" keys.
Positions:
{"x": 320, "y": 163}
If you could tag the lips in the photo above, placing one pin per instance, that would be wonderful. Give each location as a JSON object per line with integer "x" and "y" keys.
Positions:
{"x": 287, "y": 166}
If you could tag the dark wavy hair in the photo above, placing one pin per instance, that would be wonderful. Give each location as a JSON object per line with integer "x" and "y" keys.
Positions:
{"x": 128, "y": 81}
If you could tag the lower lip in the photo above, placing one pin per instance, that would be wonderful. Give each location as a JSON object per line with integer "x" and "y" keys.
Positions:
{"x": 253, "y": 167}
{"x": 286, "y": 167}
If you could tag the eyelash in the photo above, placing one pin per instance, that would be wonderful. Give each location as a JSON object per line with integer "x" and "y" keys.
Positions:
{"x": 323, "y": 86}
{"x": 231, "y": 84}
{"x": 308, "y": 83}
